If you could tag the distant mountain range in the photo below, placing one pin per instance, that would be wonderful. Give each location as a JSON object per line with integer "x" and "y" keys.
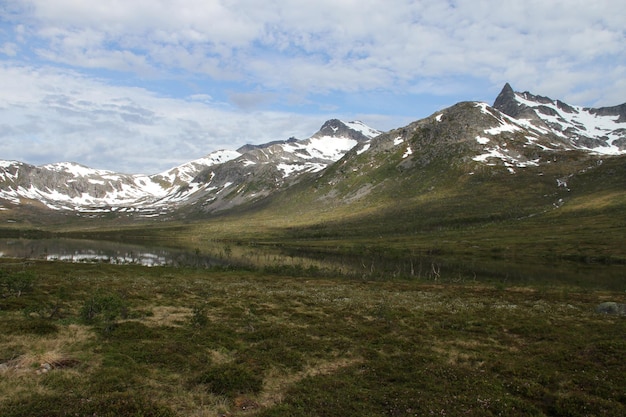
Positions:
{"x": 520, "y": 130}
{"x": 250, "y": 172}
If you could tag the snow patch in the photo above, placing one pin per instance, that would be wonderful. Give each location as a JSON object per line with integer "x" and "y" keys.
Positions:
{"x": 7, "y": 164}
{"x": 579, "y": 122}
{"x": 362, "y": 128}
{"x": 289, "y": 169}
{"x": 507, "y": 159}
{"x": 505, "y": 127}
{"x": 325, "y": 147}
{"x": 363, "y": 149}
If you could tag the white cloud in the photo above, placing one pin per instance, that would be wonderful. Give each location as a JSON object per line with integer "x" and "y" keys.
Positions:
{"x": 9, "y": 49}
{"x": 51, "y": 115}
{"x": 393, "y": 43}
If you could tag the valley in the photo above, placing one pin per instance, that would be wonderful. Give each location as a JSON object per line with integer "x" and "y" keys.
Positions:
{"x": 452, "y": 266}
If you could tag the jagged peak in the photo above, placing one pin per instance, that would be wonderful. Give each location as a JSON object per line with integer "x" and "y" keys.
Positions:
{"x": 507, "y": 103}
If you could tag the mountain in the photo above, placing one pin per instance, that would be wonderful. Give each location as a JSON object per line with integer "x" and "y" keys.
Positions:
{"x": 70, "y": 186}
{"x": 220, "y": 180}
{"x": 348, "y": 163}
{"x": 468, "y": 170}
{"x": 263, "y": 170}
{"x": 600, "y": 130}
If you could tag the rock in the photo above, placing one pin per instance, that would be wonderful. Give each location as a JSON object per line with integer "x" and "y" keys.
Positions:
{"x": 610, "y": 307}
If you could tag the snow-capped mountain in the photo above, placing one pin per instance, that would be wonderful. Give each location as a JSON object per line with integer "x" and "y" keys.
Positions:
{"x": 70, "y": 186}
{"x": 525, "y": 162}
{"x": 263, "y": 169}
{"x": 520, "y": 130}
{"x": 601, "y": 130}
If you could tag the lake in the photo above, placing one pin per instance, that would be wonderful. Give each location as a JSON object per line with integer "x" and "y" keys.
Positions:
{"x": 81, "y": 250}
{"x": 280, "y": 260}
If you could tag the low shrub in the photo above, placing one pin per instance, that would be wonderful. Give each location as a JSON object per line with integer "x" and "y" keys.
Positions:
{"x": 105, "y": 405}
{"x": 17, "y": 283}
{"x": 104, "y": 309}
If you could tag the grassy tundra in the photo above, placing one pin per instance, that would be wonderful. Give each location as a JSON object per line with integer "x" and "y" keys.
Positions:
{"x": 98, "y": 339}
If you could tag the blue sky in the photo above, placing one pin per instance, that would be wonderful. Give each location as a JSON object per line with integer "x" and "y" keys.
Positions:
{"x": 140, "y": 86}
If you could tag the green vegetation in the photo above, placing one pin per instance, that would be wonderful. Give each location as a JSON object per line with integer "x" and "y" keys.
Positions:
{"x": 136, "y": 341}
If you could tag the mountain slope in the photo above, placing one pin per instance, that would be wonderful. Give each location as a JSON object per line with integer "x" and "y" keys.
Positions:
{"x": 264, "y": 170}
{"x": 467, "y": 164}
{"x": 70, "y": 186}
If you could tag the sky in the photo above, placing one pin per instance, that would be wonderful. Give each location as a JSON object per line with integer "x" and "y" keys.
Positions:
{"x": 141, "y": 86}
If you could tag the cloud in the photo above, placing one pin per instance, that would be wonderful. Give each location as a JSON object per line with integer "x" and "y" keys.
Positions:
{"x": 9, "y": 49}
{"x": 338, "y": 45}
{"x": 54, "y": 115}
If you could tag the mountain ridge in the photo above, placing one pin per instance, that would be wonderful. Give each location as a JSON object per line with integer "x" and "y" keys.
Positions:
{"x": 518, "y": 131}
{"x": 74, "y": 187}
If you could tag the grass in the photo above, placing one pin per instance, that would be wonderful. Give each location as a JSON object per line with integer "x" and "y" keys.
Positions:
{"x": 198, "y": 342}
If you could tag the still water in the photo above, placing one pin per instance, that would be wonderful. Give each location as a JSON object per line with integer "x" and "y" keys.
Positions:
{"x": 372, "y": 266}
{"x": 80, "y": 250}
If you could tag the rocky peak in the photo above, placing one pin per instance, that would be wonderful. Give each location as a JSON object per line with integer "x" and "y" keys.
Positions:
{"x": 509, "y": 105}
{"x": 505, "y": 98}
{"x": 337, "y": 128}
{"x": 601, "y": 130}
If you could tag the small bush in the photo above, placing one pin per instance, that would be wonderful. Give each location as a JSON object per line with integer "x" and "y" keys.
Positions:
{"x": 199, "y": 317}
{"x": 17, "y": 283}
{"x": 104, "y": 309}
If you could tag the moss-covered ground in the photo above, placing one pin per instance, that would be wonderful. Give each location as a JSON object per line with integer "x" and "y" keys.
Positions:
{"x": 96, "y": 339}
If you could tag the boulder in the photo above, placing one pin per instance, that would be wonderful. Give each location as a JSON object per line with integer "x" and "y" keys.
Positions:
{"x": 610, "y": 307}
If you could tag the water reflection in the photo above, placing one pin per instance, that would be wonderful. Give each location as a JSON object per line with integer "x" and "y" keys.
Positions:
{"x": 361, "y": 264}
{"x": 79, "y": 250}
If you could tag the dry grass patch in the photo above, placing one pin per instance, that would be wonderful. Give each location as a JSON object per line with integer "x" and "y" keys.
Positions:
{"x": 168, "y": 316}
{"x": 277, "y": 382}
{"x": 36, "y": 356}
{"x": 461, "y": 352}
{"x": 55, "y": 350}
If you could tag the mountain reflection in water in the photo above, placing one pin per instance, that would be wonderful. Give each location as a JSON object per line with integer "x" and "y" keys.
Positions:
{"x": 78, "y": 250}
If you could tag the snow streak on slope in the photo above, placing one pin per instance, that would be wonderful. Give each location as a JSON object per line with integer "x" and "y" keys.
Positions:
{"x": 362, "y": 128}
{"x": 500, "y": 147}
{"x": 325, "y": 147}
